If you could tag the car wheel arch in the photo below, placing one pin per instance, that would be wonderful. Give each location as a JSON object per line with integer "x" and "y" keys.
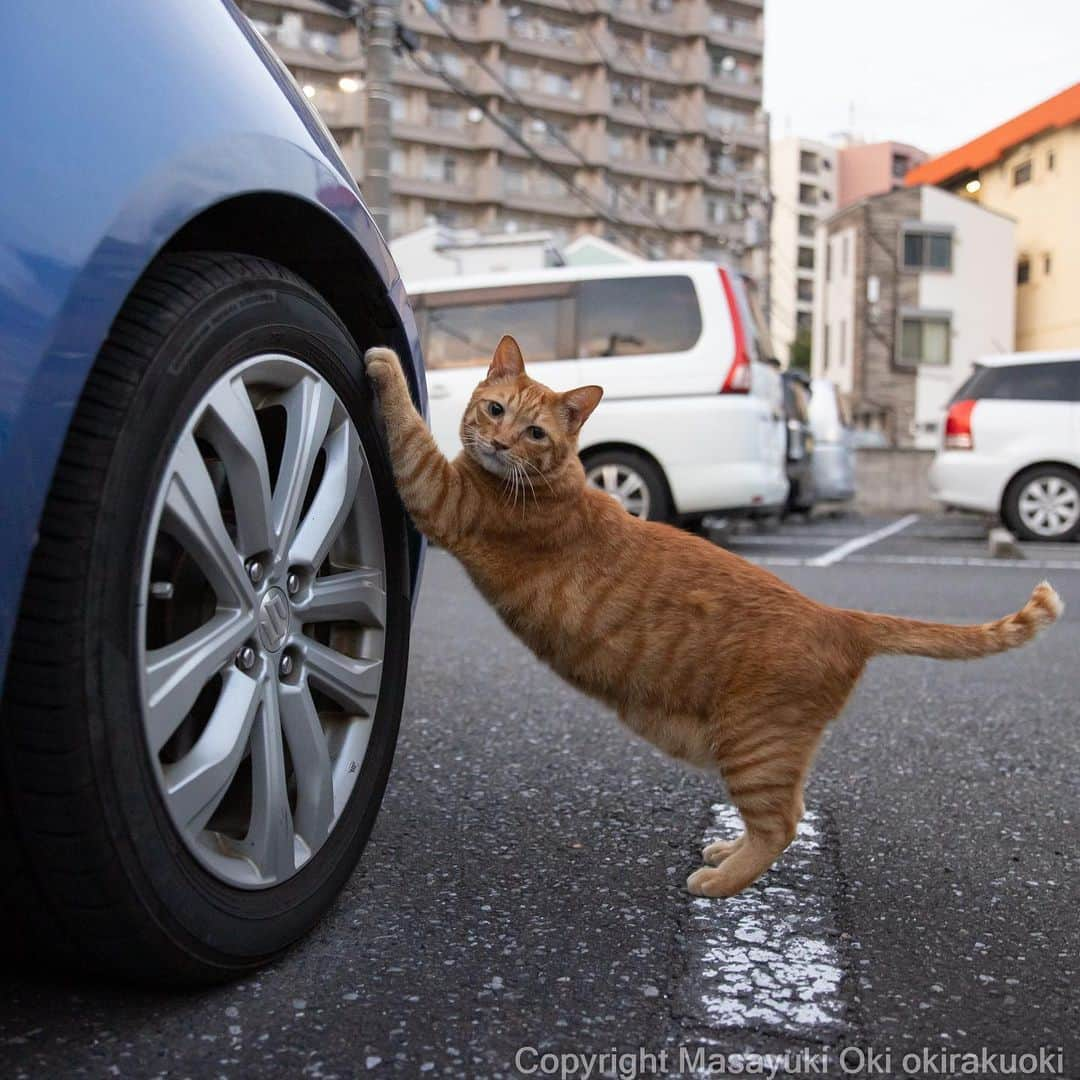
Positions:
{"x": 1049, "y": 463}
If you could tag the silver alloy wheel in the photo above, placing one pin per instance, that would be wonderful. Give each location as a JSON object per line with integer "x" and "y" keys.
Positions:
{"x": 1049, "y": 505}
{"x": 623, "y": 484}
{"x": 262, "y": 605}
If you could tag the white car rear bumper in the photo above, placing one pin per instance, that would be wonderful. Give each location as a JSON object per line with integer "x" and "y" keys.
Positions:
{"x": 966, "y": 479}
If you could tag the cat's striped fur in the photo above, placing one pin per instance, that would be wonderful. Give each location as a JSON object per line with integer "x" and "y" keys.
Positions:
{"x": 713, "y": 659}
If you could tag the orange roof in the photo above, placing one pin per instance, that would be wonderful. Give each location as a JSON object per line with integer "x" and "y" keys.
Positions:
{"x": 1059, "y": 111}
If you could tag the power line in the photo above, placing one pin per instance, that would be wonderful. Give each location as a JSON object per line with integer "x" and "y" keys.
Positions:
{"x": 448, "y": 29}
{"x": 438, "y": 71}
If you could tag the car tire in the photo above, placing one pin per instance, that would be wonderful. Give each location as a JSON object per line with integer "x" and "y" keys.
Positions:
{"x": 1043, "y": 503}
{"x": 100, "y": 872}
{"x": 633, "y": 479}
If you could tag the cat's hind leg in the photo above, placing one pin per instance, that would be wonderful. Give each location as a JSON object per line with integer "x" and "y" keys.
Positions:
{"x": 766, "y": 787}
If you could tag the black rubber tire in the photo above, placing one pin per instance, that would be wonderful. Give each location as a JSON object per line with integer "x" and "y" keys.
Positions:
{"x": 1010, "y": 504}
{"x": 98, "y": 877}
{"x": 660, "y": 508}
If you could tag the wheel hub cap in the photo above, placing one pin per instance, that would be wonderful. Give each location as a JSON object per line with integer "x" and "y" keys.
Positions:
{"x": 274, "y": 618}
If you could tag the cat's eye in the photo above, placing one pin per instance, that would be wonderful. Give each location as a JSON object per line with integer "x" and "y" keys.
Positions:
{"x": 537, "y": 433}
{"x": 495, "y": 409}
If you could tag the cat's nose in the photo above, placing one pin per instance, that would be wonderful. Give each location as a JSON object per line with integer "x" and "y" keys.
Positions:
{"x": 496, "y": 445}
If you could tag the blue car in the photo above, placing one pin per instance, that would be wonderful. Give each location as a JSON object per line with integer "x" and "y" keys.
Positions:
{"x": 208, "y": 577}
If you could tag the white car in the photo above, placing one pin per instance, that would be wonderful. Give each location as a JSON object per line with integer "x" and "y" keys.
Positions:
{"x": 692, "y": 418}
{"x": 1012, "y": 444}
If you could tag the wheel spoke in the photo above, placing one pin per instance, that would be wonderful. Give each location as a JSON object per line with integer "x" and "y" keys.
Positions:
{"x": 311, "y": 763}
{"x": 353, "y": 684}
{"x": 308, "y": 405}
{"x": 354, "y": 596}
{"x": 195, "y": 785}
{"x": 333, "y": 500}
{"x": 176, "y": 673}
{"x": 229, "y": 424}
{"x": 270, "y": 836}
{"x": 610, "y": 478}
{"x": 193, "y": 516}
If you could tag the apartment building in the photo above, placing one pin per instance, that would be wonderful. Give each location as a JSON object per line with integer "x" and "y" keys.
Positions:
{"x": 651, "y": 107}
{"x": 803, "y": 184}
{"x": 1029, "y": 168}
{"x": 912, "y": 286}
{"x": 865, "y": 169}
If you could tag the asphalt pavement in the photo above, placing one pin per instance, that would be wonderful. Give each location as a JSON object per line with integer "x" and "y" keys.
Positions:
{"x": 523, "y": 894}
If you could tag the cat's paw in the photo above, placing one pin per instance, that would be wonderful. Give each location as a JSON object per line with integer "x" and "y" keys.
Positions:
{"x": 715, "y": 853}
{"x": 382, "y": 366}
{"x": 708, "y": 881}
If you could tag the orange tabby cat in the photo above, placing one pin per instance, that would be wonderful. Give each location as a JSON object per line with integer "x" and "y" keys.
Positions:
{"x": 711, "y": 658}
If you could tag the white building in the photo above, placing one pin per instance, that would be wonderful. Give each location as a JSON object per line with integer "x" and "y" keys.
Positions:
{"x": 803, "y": 184}
{"x": 911, "y": 288}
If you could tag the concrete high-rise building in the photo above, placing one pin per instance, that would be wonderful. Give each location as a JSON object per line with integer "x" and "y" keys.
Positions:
{"x": 803, "y": 183}
{"x": 1029, "y": 169}
{"x": 652, "y": 107}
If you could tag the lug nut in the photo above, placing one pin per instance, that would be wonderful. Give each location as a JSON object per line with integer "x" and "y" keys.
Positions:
{"x": 286, "y": 666}
{"x": 292, "y": 584}
{"x": 255, "y": 571}
{"x": 245, "y": 658}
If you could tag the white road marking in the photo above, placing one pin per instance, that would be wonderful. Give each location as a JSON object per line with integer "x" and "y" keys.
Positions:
{"x": 764, "y": 959}
{"x": 928, "y": 560}
{"x": 842, "y": 551}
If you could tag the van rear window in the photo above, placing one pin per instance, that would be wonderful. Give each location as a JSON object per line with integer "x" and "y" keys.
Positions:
{"x": 1057, "y": 381}
{"x": 632, "y": 316}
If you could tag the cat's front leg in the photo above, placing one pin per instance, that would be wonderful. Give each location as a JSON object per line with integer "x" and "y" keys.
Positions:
{"x": 432, "y": 489}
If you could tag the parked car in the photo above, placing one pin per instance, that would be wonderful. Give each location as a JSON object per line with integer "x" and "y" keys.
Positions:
{"x": 1011, "y": 444}
{"x": 834, "y": 451}
{"x": 800, "y": 442}
{"x": 691, "y": 419}
{"x": 204, "y": 611}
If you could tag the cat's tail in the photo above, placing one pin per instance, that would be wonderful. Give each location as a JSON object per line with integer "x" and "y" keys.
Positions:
{"x": 912, "y": 637}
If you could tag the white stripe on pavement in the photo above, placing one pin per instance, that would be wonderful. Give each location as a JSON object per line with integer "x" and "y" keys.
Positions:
{"x": 926, "y": 560}
{"x": 843, "y": 550}
{"x": 767, "y": 959}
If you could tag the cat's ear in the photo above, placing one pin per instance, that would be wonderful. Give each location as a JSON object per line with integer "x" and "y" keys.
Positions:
{"x": 577, "y": 405}
{"x": 507, "y": 363}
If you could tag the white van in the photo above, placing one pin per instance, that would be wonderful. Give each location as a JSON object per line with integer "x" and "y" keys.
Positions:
{"x": 692, "y": 418}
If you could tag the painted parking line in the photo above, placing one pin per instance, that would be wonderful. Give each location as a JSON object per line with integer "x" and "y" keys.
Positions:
{"x": 842, "y": 551}
{"x": 767, "y": 959}
{"x": 925, "y": 560}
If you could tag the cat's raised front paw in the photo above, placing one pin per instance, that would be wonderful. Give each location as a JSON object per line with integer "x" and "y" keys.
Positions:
{"x": 382, "y": 366}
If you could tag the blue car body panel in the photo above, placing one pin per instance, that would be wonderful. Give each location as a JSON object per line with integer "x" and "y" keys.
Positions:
{"x": 122, "y": 121}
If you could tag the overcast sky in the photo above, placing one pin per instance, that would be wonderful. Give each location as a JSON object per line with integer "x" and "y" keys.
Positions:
{"x": 934, "y": 73}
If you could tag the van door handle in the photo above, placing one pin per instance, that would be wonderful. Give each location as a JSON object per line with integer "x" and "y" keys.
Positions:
{"x": 438, "y": 390}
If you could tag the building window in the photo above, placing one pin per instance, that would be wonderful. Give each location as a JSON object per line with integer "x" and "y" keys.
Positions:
{"x": 826, "y": 347}
{"x": 808, "y": 195}
{"x": 441, "y": 168}
{"x": 808, "y": 161}
{"x": 1048, "y": 263}
{"x": 828, "y": 260}
{"x": 900, "y": 165}
{"x": 1023, "y": 270}
{"x": 806, "y": 225}
{"x": 1022, "y": 174}
{"x": 806, "y": 258}
{"x": 1049, "y": 160}
{"x": 803, "y": 322}
{"x": 805, "y": 289}
{"x": 844, "y": 256}
{"x": 843, "y": 342}
{"x": 924, "y": 339}
{"x": 927, "y": 250}
{"x": 661, "y": 150}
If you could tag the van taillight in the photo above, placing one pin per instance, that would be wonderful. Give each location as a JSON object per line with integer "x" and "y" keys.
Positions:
{"x": 958, "y": 426}
{"x": 738, "y": 376}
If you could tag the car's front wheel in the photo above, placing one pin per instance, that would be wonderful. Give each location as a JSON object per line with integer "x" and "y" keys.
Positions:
{"x": 207, "y": 674}
{"x": 1043, "y": 503}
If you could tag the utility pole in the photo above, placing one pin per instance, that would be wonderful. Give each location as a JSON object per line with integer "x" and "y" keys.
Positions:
{"x": 767, "y": 286}
{"x": 378, "y": 127}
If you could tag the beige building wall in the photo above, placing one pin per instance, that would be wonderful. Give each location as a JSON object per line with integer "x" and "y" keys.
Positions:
{"x": 803, "y": 182}
{"x": 1046, "y": 209}
{"x": 653, "y": 107}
